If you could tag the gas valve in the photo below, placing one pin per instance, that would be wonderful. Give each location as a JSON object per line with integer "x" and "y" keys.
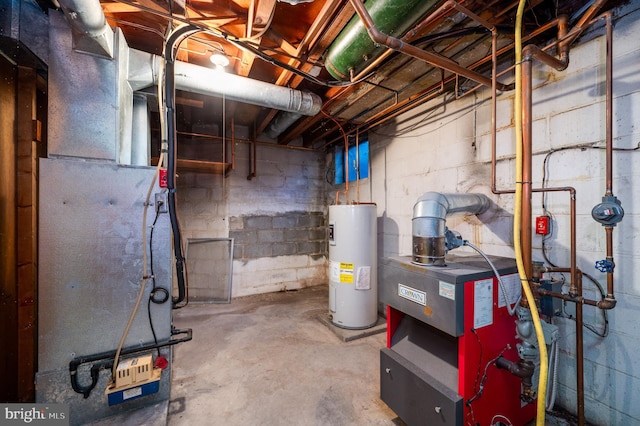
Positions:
{"x": 609, "y": 212}
{"x": 605, "y": 265}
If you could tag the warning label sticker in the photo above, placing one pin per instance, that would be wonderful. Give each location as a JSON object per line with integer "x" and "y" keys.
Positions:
{"x": 346, "y": 272}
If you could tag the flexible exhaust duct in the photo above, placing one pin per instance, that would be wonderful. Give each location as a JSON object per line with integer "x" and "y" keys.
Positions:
{"x": 428, "y": 223}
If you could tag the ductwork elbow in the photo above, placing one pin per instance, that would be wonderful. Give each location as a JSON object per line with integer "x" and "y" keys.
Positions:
{"x": 429, "y": 222}
{"x": 91, "y": 33}
{"x": 281, "y": 122}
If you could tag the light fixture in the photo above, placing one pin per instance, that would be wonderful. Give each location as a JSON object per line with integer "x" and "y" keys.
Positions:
{"x": 219, "y": 60}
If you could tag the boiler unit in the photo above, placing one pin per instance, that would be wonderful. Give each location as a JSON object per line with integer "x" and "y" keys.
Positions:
{"x": 353, "y": 290}
{"x": 451, "y": 342}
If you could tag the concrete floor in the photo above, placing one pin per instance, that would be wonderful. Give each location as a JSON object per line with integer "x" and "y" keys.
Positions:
{"x": 273, "y": 359}
{"x": 269, "y": 360}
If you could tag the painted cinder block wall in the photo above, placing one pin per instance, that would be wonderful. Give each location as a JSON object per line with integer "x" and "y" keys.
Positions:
{"x": 277, "y": 219}
{"x": 449, "y": 150}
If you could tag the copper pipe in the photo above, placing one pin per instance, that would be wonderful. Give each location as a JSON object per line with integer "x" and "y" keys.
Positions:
{"x": 493, "y": 113}
{"x": 408, "y": 37}
{"x": 576, "y": 274}
{"x": 609, "y": 108}
{"x": 527, "y": 102}
{"x": 432, "y": 92}
{"x": 580, "y": 357}
{"x": 494, "y": 108}
{"x": 528, "y": 54}
{"x": 584, "y": 21}
{"x": 610, "y": 299}
{"x": 399, "y": 45}
{"x": 609, "y": 234}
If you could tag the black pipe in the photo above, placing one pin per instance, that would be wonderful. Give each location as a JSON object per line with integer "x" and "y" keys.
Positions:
{"x": 171, "y": 46}
{"x": 522, "y": 369}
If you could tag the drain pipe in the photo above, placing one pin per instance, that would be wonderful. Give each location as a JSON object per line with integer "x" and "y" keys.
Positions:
{"x": 91, "y": 33}
{"x": 428, "y": 223}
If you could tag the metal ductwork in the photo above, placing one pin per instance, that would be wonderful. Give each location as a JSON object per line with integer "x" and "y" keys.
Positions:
{"x": 281, "y": 122}
{"x": 144, "y": 68}
{"x": 429, "y": 222}
{"x": 353, "y": 49}
{"x": 91, "y": 33}
{"x": 206, "y": 81}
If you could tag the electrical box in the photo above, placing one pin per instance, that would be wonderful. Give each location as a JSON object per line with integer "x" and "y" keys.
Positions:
{"x": 163, "y": 178}
{"x": 542, "y": 225}
{"x": 446, "y": 326}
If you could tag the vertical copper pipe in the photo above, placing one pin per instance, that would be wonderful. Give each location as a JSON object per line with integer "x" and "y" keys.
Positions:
{"x": 580, "y": 357}
{"x": 494, "y": 56}
{"x": 609, "y": 147}
{"x": 609, "y": 234}
{"x": 494, "y": 102}
{"x": 574, "y": 257}
{"x": 527, "y": 106}
{"x": 609, "y": 108}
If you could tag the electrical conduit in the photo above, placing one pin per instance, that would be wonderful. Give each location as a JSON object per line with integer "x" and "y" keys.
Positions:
{"x": 542, "y": 383}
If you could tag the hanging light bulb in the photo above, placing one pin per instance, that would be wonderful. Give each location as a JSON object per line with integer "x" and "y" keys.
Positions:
{"x": 219, "y": 60}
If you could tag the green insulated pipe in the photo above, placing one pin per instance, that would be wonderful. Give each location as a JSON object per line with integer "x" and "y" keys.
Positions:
{"x": 353, "y": 49}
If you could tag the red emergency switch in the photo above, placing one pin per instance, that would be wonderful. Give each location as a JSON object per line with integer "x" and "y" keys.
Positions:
{"x": 542, "y": 225}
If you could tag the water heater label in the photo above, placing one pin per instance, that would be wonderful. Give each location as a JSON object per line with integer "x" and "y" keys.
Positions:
{"x": 412, "y": 294}
{"x": 346, "y": 272}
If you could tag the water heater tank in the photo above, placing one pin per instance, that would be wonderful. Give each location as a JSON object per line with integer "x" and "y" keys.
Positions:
{"x": 353, "y": 290}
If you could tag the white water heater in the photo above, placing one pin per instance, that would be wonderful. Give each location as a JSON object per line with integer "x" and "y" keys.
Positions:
{"x": 353, "y": 271}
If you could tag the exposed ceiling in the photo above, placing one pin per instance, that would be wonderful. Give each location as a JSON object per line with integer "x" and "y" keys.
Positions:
{"x": 268, "y": 40}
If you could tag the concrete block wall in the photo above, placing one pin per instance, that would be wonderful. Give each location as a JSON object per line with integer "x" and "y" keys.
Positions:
{"x": 277, "y": 219}
{"x": 294, "y": 233}
{"x": 449, "y": 150}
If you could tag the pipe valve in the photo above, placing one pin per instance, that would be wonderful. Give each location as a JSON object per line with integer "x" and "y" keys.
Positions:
{"x": 605, "y": 265}
{"x": 609, "y": 212}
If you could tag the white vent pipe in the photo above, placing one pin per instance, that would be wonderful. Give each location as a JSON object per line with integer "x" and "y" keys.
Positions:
{"x": 428, "y": 223}
{"x": 144, "y": 67}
